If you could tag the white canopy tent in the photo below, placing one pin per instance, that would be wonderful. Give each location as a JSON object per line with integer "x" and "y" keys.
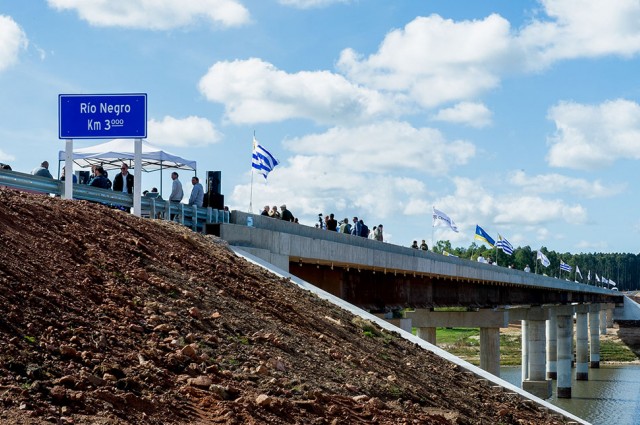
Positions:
{"x": 112, "y": 154}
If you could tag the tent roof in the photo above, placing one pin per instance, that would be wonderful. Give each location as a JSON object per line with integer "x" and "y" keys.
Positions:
{"x": 113, "y": 153}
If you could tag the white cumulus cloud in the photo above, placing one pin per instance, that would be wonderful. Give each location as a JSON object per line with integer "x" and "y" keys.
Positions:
{"x": 307, "y": 4}
{"x": 256, "y": 91}
{"x": 555, "y": 183}
{"x": 589, "y": 137}
{"x": 469, "y": 113}
{"x": 154, "y": 14}
{"x": 187, "y": 132}
{"x": 12, "y": 40}
{"x": 434, "y": 60}
{"x": 582, "y": 28}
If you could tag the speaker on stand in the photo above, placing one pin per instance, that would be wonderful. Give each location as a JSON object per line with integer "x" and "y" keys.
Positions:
{"x": 215, "y": 199}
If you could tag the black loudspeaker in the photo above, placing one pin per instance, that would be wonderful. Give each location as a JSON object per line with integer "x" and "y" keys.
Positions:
{"x": 214, "y": 182}
{"x": 216, "y": 201}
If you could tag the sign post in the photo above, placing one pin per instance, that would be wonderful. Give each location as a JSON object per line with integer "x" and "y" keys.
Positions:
{"x": 103, "y": 116}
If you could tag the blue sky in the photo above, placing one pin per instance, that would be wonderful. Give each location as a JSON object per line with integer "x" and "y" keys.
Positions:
{"x": 522, "y": 117}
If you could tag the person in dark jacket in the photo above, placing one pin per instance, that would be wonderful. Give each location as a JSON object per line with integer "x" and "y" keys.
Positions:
{"x": 99, "y": 180}
{"x": 121, "y": 177}
{"x": 285, "y": 214}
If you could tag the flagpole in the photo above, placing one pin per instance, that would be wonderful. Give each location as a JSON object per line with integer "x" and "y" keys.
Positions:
{"x": 251, "y": 190}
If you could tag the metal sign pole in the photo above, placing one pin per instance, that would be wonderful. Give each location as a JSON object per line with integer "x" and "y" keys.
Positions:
{"x": 137, "y": 177}
{"x": 68, "y": 170}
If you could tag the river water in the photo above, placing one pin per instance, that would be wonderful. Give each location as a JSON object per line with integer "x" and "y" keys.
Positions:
{"x": 611, "y": 396}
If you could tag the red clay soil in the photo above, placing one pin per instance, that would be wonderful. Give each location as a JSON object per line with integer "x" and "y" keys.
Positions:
{"x": 106, "y": 318}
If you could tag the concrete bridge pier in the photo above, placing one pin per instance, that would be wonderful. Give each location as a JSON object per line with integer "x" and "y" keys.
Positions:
{"x": 603, "y": 321}
{"x": 537, "y": 382}
{"x": 524, "y": 350}
{"x": 488, "y": 320}
{"x": 564, "y": 321}
{"x": 552, "y": 344}
{"x": 427, "y": 333}
{"x": 594, "y": 336}
{"x": 582, "y": 343}
{"x": 610, "y": 308}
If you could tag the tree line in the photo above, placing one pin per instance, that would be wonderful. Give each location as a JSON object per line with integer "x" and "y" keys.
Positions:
{"x": 622, "y": 268}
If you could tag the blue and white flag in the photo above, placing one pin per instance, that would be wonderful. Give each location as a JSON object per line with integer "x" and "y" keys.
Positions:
{"x": 262, "y": 161}
{"x": 439, "y": 216}
{"x": 564, "y": 266}
{"x": 483, "y": 236}
{"x": 604, "y": 280}
{"x": 543, "y": 259}
{"x": 505, "y": 245}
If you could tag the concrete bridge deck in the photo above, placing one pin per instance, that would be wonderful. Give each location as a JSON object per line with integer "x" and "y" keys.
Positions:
{"x": 376, "y": 275}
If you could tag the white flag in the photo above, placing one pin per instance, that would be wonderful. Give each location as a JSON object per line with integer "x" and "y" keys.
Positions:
{"x": 543, "y": 259}
{"x": 612, "y": 283}
{"x": 439, "y": 216}
{"x": 597, "y": 278}
{"x": 589, "y": 276}
{"x": 578, "y": 271}
{"x": 604, "y": 280}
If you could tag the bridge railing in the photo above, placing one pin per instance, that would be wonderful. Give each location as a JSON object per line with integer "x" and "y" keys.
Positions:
{"x": 191, "y": 216}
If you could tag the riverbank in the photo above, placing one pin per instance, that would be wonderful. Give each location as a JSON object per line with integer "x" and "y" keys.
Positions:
{"x": 619, "y": 345}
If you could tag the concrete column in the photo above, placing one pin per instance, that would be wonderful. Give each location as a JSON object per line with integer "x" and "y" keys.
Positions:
{"x": 428, "y": 334}
{"x": 564, "y": 321}
{"x": 603, "y": 321}
{"x": 582, "y": 343}
{"x": 594, "y": 336}
{"x": 552, "y": 344}
{"x": 537, "y": 384}
{"x": 490, "y": 350}
{"x": 610, "y": 317}
{"x": 525, "y": 351}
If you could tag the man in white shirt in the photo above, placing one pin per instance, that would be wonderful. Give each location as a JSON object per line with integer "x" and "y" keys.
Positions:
{"x": 176, "y": 189}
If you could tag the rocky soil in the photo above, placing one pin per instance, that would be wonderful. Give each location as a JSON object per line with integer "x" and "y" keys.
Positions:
{"x": 110, "y": 319}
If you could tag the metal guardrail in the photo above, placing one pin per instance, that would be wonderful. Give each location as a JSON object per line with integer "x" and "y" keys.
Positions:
{"x": 191, "y": 216}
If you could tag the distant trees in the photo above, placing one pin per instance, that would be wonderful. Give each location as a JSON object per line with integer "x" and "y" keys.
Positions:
{"x": 622, "y": 268}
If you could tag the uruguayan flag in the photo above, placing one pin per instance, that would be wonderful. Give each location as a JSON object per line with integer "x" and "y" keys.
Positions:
{"x": 564, "y": 266}
{"x": 262, "y": 161}
{"x": 505, "y": 245}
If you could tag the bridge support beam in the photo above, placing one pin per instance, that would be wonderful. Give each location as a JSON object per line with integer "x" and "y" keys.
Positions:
{"x": 537, "y": 382}
{"x": 594, "y": 336}
{"x": 552, "y": 344}
{"x": 610, "y": 308}
{"x": 525, "y": 351}
{"x": 582, "y": 343}
{"x": 564, "y": 321}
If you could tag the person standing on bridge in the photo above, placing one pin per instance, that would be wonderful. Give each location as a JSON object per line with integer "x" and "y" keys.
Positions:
{"x": 197, "y": 193}
{"x": 424, "y": 246}
{"x": 123, "y": 181}
{"x": 42, "y": 170}
{"x": 377, "y": 233}
{"x": 285, "y": 214}
{"x": 99, "y": 179}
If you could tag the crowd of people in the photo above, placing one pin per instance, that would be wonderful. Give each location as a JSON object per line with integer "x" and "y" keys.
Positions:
{"x": 124, "y": 182}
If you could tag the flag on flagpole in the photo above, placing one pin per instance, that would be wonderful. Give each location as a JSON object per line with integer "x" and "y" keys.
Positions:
{"x": 564, "y": 266}
{"x": 439, "y": 216}
{"x": 543, "y": 259}
{"x": 448, "y": 254}
{"x": 262, "y": 160}
{"x": 597, "y": 278}
{"x": 505, "y": 245}
{"x": 484, "y": 236}
{"x": 605, "y": 280}
{"x": 612, "y": 283}
{"x": 589, "y": 276}
{"x": 578, "y": 272}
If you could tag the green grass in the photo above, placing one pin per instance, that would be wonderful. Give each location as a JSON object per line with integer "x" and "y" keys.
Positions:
{"x": 465, "y": 343}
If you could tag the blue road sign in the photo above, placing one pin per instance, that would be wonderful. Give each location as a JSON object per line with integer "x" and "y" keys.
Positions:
{"x": 102, "y": 116}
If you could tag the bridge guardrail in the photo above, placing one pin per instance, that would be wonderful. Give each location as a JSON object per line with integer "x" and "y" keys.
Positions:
{"x": 191, "y": 216}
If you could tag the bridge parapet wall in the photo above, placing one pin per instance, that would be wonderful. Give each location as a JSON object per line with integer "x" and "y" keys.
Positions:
{"x": 309, "y": 244}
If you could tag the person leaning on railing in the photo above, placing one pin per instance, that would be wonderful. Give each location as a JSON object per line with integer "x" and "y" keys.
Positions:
{"x": 99, "y": 180}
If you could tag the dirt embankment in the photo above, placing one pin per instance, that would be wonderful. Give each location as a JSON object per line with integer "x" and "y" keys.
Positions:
{"x": 110, "y": 319}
